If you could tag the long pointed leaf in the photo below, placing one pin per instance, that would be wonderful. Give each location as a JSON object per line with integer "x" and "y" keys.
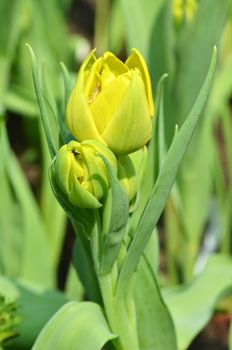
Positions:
{"x": 164, "y": 182}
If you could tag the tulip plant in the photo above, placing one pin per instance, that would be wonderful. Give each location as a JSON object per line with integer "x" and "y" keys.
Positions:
{"x": 105, "y": 144}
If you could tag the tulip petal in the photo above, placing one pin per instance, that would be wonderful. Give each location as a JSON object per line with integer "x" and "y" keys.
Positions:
{"x": 127, "y": 176}
{"x": 92, "y": 84}
{"x": 136, "y": 60}
{"x": 64, "y": 161}
{"x": 130, "y": 128}
{"x": 97, "y": 172}
{"x": 82, "y": 198}
{"x": 79, "y": 119}
{"x": 86, "y": 66}
{"x": 98, "y": 147}
{"x": 116, "y": 66}
{"x": 108, "y": 101}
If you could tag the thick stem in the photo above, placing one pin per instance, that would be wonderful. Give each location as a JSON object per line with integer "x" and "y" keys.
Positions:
{"x": 120, "y": 312}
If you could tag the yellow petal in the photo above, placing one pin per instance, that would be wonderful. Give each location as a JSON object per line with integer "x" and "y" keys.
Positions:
{"x": 136, "y": 60}
{"x": 85, "y": 68}
{"x": 92, "y": 84}
{"x": 63, "y": 161}
{"x": 82, "y": 198}
{"x": 99, "y": 147}
{"x": 127, "y": 176}
{"x": 79, "y": 119}
{"x": 97, "y": 173}
{"x": 130, "y": 128}
{"x": 107, "y": 102}
{"x": 116, "y": 66}
{"x": 111, "y": 69}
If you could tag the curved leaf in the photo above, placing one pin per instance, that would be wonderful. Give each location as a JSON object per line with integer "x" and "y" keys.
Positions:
{"x": 75, "y": 326}
{"x": 192, "y": 305}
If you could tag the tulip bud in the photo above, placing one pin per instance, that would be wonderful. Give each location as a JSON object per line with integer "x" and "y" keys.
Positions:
{"x": 112, "y": 102}
{"x": 81, "y": 173}
{"x": 129, "y": 171}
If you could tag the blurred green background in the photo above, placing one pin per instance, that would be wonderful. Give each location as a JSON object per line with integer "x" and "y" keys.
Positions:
{"x": 175, "y": 37}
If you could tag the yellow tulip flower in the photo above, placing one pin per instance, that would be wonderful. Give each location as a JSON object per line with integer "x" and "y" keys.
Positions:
{"x": 81, "y": 174}
{"x": 112, "y": 102}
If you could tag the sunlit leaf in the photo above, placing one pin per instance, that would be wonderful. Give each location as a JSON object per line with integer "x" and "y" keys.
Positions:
{"x": 75, "y": 326}
{"x": 192, "y": 305}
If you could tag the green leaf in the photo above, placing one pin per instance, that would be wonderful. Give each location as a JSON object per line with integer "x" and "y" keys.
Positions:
{"x": 155, "y": 156}
{"x": 21, "y": 101}
{"x": 192, "y": 305}
{"x": 75, "y": 326}
{"x": 136, "y": 13}
{"x": 115, "y": 218}
{"x": 22, "y": 232}
{"x": 154, "y": 323}
{"x": 204, "y": 32}
{"x": 164, "y": 183}
{"x": 73, "y": 286}
{"x": 46, "y": 110}
{"x": 9, "y": 26}
{"x": 35, "y": 307}
{"x": 50, "y": 207}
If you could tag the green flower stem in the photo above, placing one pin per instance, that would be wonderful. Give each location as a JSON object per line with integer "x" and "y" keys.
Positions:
{"x": 120, "y": 313}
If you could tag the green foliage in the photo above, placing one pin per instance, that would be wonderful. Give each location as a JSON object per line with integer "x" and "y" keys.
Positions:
{"x": 153, "y": 332}
{"x": 22, "y": 229}
{"x": 192, "y": 305}
{"x": 165, "y": 181}
{"x": 116, "y": 253}
{"x": 115, "y": 218}
{"x": 88, "y": 329}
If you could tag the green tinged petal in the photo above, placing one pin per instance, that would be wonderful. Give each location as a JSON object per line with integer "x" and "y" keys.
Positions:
{"x": 106, "y": 103}
{"x": 136, "y": 60}
{"x": 130, "y": 173}
{"x": 113, "y": 64}
{"x": 82, "y": 198}
{"x": 79, "y": 118}
{"x": 130, "y": 128}
{"x": 127, "y": 176}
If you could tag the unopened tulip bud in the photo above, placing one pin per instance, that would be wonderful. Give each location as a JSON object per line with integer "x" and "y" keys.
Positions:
{"x": 81, "y": 173}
